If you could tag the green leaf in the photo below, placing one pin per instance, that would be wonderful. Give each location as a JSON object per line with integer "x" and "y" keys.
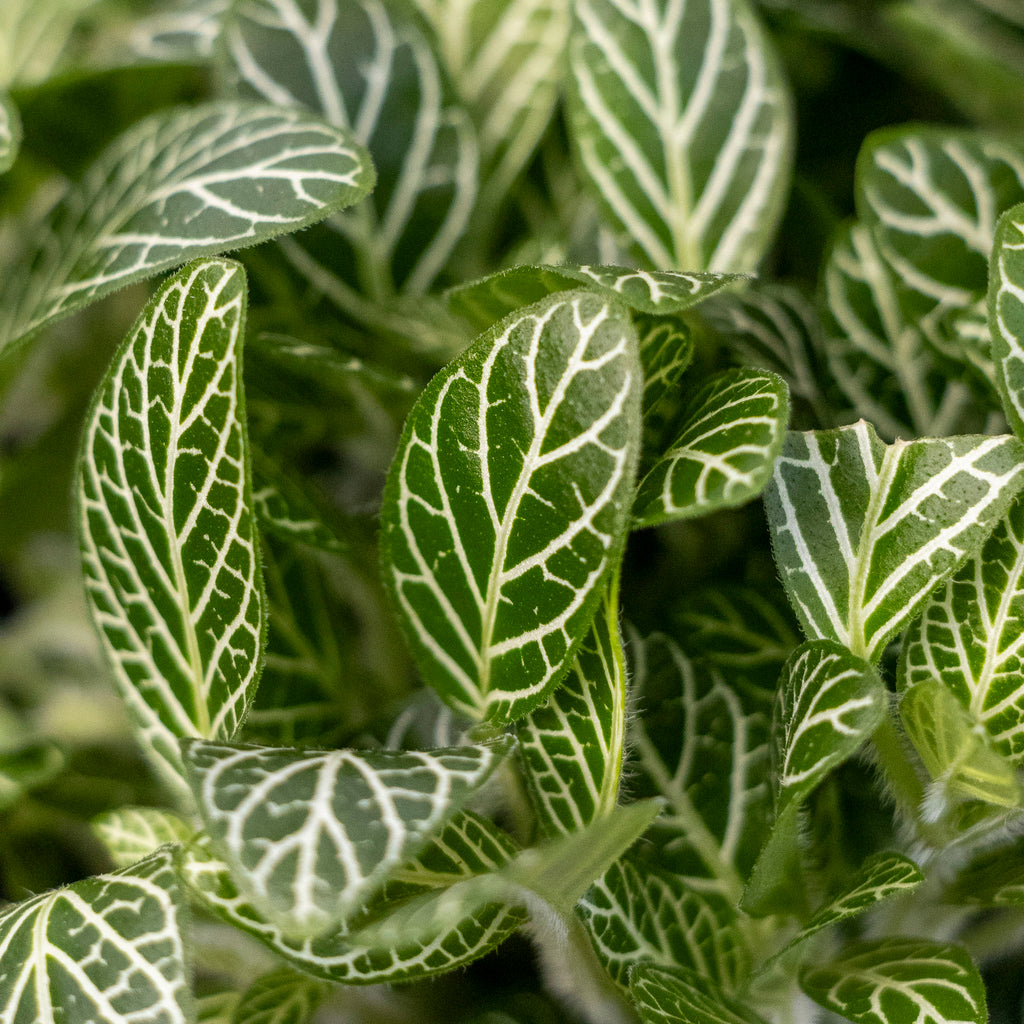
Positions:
{"x": 703, "y": 746}
{"x": 682, "y": 123}
{"x": 10, "y": 132}
{"x": 899, "y": 981}
{"x": 282, "y": 997}
{"x": 732, "y": 431}
{"x": 178, "y": 185}
{"x": 572, "y": 746}
{"x": 995, "y": 878}
{"x": 187, "y": 33}
{"x": 829, "y": 702}
{"x": 310, "y": 835}
{"x": 131, "y": 833}
{"x": 27, "y": 767}
{"x": 666, "y": 351}
{"x": 1006, "y": 314}
{"x": 507, "y": 502}
{"x": 285, "y": 508}
{"x": 932, "y": 196}
{"x": 368, "y": 66}
{"x": 635, "y": 915}
{"x": 467, "y": 846}
{"x": 36, "y": 34}
{"x": 107, "y": 948}
{"x": 669, "y": 996}
{"x": 969, "y": 637}
{"x": 863, "y": 531}
{"x": 168, "y": 547}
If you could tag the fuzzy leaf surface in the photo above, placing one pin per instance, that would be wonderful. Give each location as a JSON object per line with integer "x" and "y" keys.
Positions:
{"x": 1006, "y": 314}
{"x": 310, "y": 835}
{"x": 682, "y": 123}
{"x": 899, "y": 981}
{"x": 168, "y": 541}
{"x": 733, "y": 429}
{"x": 507, "y": 502}
{"x": 863, "y": 531}
{"x": 669, "y": 996}
{"x": 107, "y": 948}
{"x": 179, "y": 185}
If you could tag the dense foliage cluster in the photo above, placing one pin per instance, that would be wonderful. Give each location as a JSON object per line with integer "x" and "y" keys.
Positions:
{"x": 567, "y": 564}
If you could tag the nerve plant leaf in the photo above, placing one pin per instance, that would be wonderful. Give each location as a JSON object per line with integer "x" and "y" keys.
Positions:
{"x": 132, "y": 833}
{"x": 1006, "y": 314}
{"x": 732, "y": 431}
{"x": 466, "y": 847}
{"x": 310, "y": 835}
{"x": 368, "y": 66}
{"x": 282, "y": 997}
{"x": 506, "y": 505}
{"x": 168, "y": 546}
{"x": 668, "y": 996}
{"x": 108, "y": 948}
{"x": 682, "y": 123}
{"x": 179, "y": 185}
{"x": 10, "y": 132}
{"x": 971, "y": 637}
{"x": 863, "y": 531}
{"x": 899, "y": 980}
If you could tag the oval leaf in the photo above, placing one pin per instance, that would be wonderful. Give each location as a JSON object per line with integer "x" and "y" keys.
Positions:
{"x": 1006, "y": 314}
{"x": 506, "y": 504}
{"x": 168, "y": 544}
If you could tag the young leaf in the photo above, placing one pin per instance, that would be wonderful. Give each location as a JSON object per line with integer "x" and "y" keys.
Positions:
{"x": 107, "y": 948}
{"x": 506, "y": 505}
{"x": 733, "y": 429}
{"x": 168, "y": 546}
{"x": 10, "y": 132}
{"x": 1006, "y": 314}
{"x": 970, "y": 637}
{"x": 829, "y": 702}
{"x": 893, "y": 981}
{"x": 669, "y": 996}
{"x": 368, "y": 66}
{"x": 863, "y": 532}
{"x": 178, "y": 185}
{"x": 282, "y": 997}
{"x": 131, "y": 833}
{"x": 666, "y": 350}
{"x": 572, "y": 746}
{"x": 682, "y": 123}
{"x": 310, "y": 835}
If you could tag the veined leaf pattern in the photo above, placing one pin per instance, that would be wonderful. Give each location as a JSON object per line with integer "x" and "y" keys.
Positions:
{"x": 34, "y": 38}
{"x": 635, "y": 915}
{"x": 733, "y": 429}
{"x": 666, "y": 351}
{"x": 179, "y": 185}
{"x": 467, "y": 846}
{"x": 187, "y": 32}
{"x": 369, "y": 66}
{"x": 829, "y": 702}
{"x": 1006, "y": 314}
{"x": 665, "y": 996}
{"x": 132, "y": 833}
{"x": 683, "y": 125}
{"x": 899, "y": 979}
{"x": 970, "y": 636}
{"x": 107, "y": 948}
{"x": 168, "y": 546}
{"x": 282, "y": 997}
{"x": 507, "y": 501}
{"x": 572, "y": 746}
{"x": 10, "y": 131}
{"x": 863, "y": 531}
{"x": 311, "y": 835}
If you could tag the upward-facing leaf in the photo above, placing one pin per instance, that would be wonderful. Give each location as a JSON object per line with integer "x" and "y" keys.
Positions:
{"x": 310, "y": 835}
{"x": 168, "y": 545}
{"x": 863, "y": 531}
{"x": 183, "y": 184}
{"x": 506, "y": 504}
{"x": 682, "y": 123}
{"x": 104, "y": 949}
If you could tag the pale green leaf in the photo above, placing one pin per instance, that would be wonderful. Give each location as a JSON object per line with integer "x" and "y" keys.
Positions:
{"x": 899, "y": 981}
{"x": 1006, "y": 314}
{"x": 507, "y": 502}
{"x": 33, "y": 37}
{"x": 311, "y": 835}
{"x": 106, "y": 949}
{"x": 670, "y": 996}
{"x": 185, "y": 32}
{"x": 572, "y": 746}
{"x": 368, "y": 66}
{"x": 178, "y": 185}
{"x": 282, "y": 997}
{"x": 168, "y": 546}
{"x": 863, "y": 531}
{"x": 636, "y": 914}
{"x": 970, "y": 637}
{"x": 10, "y": 132}
{"x": 217, "y": 1007}
{"x": 732, "y": 430}
{"x": 829, "y": 702}
{"x": 682, "y": 123}
{"x": 131, "y": 833}
{"x": 467, "y": 846}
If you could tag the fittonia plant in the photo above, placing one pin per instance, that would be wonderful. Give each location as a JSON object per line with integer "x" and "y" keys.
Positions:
{"x": 362, "y": 704}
